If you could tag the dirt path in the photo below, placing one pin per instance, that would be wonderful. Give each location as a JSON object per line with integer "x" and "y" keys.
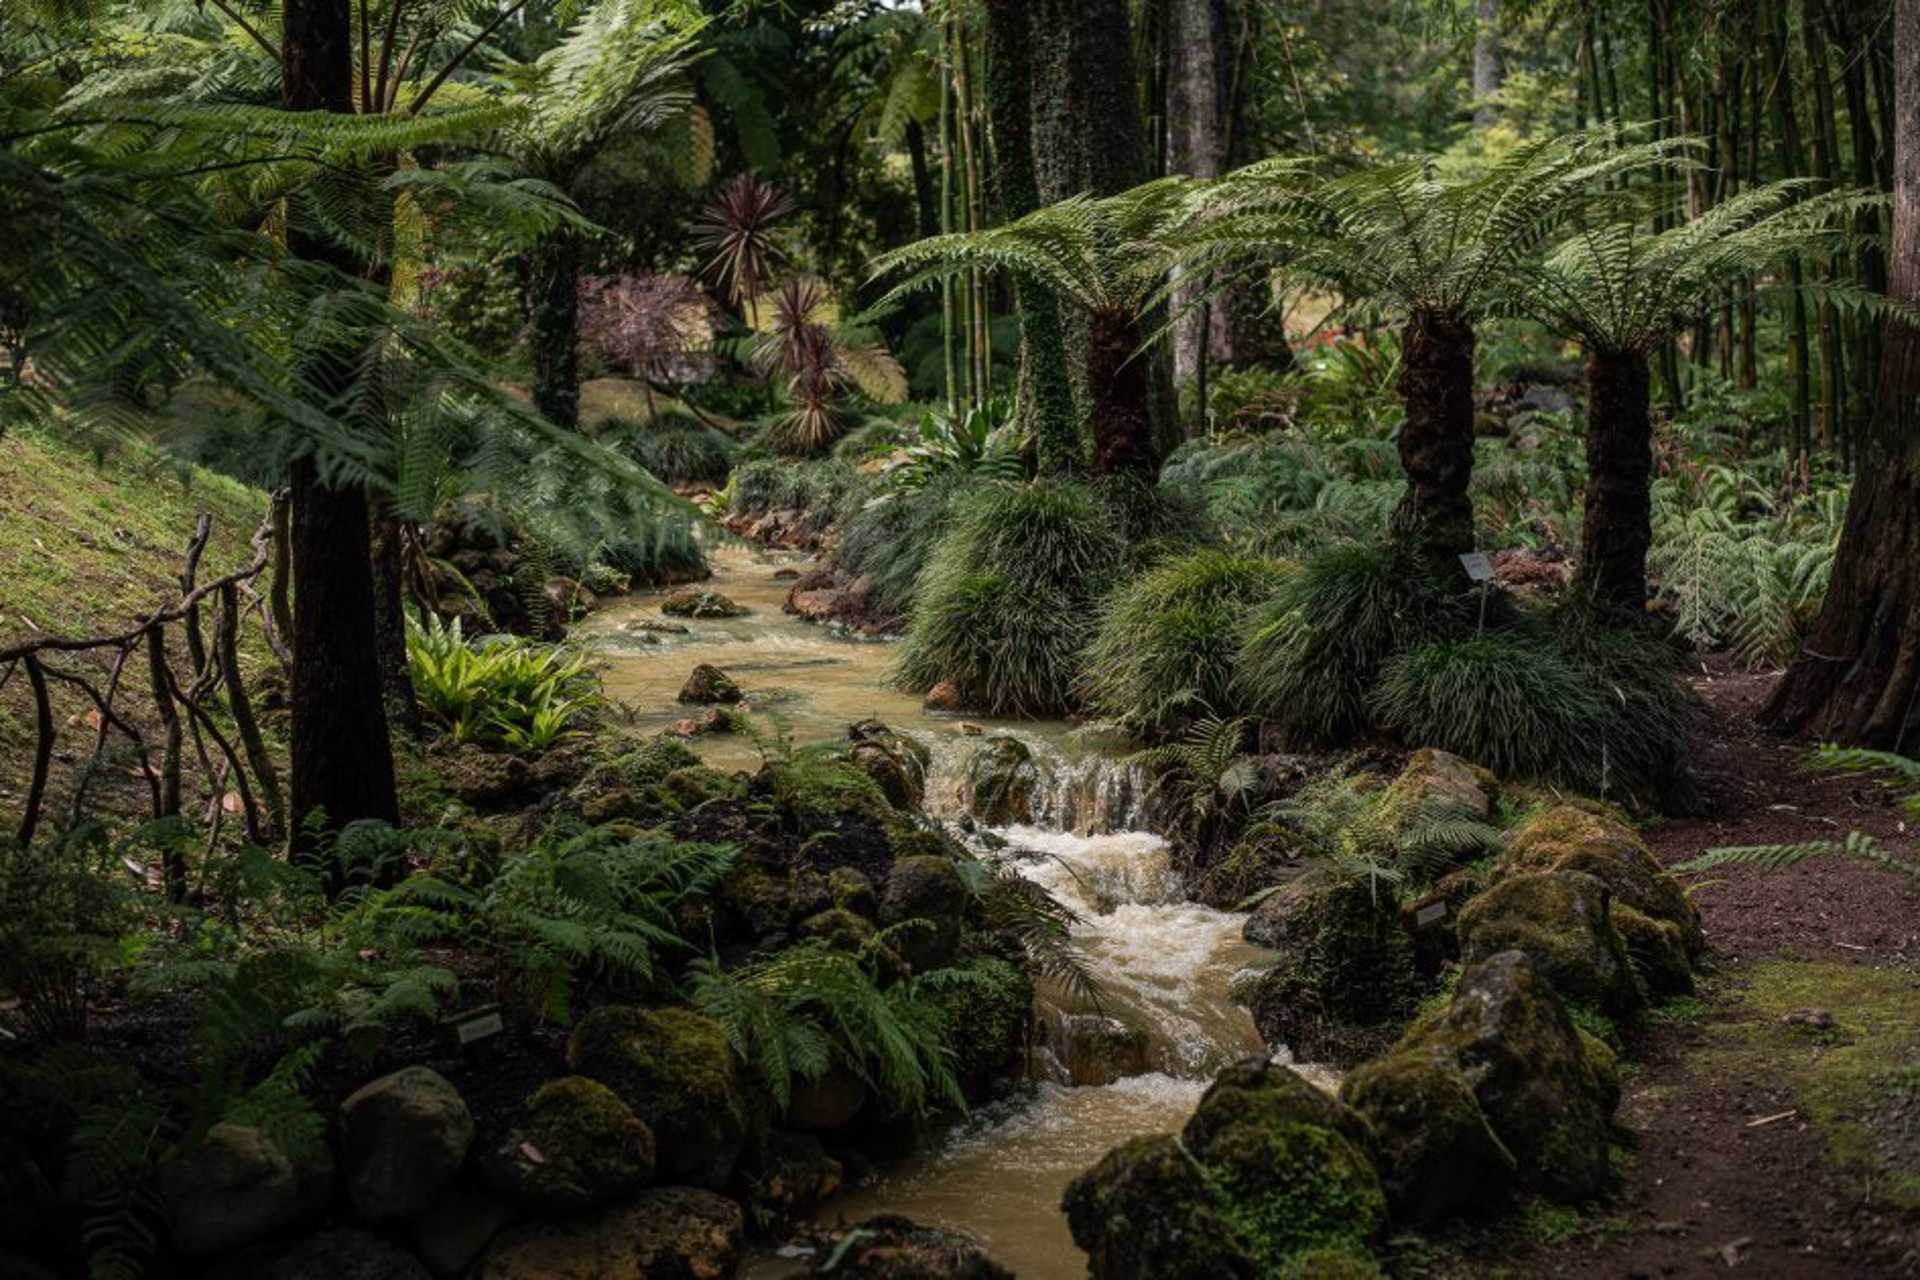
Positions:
{"x": 1769, "y": 1144}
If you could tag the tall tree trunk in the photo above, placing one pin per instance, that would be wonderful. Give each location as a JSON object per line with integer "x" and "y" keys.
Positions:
{"x": 1046, "y": 388}
{"x": 1197, "y": 147}
{"x": 923, "y": 197}
{"x": 342, "y": 759}
{"x": 1618, "y": 527}
{"x": 1857, "y": 677}
{"x": 1435, "y": 515}
{"x": 1792, "y": 165}
{"x": 390, "y": 622}
{"x": 553, "y": 338}
{"x": 1489, "y": 63}
{"x": 1117, "y": 370}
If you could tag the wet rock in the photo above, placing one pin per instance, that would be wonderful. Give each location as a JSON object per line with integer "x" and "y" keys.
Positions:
{"x": 652, "y": 626}
{"x": 896, "y": 762}
{"x": 944, "y": 696}
{"x": 1284, "y": 920}
{"x": 895, "y": 1248}
{"x": 580, "y": 1148}
{"x": 708, "y": 684}
{"x": 345, "y": 1254}
{"x": 692, "y": 602}
{"x": 449, "y": 1236}
{"x": 1346, "y": 976}
{"x": 785, "y": 575}
{"x": 1509, "y": 1035}
{"x": 1146, "y": 1212}
{"x": 1436, "y": 779}
{"x": 928, "y": 889}
{"x": 674, "y": 1070}
{"x": 827, "y": 1103}
{"x": 1097, "y": 1050}
{"x": 402, "y": 1139}
{"x": 669, "y": 1233}
{"x": 1437, "y": 1154}
{"x": 1568, "y": 838}
{"x": 236, "y": 1186}
{"x": 797, "y": 1174}
{"x": 1001, "y": 780}
{"x": 1562, "y": 920}
{"x": 570, "y": 599}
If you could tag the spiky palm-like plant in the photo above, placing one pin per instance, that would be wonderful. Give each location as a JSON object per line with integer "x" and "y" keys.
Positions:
{"x": 1621, "y": 289}
{"x": 737, "y": 232}
{"x": 1434, "y": 250}
{"x": 1106, "y": 257}
{"x": 818, "y": 358}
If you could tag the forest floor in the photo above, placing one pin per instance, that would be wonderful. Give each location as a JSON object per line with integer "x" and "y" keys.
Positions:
{"x": 1775, "y": 1118}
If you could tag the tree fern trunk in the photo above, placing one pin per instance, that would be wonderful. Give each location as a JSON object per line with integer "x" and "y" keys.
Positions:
{"x": 342, "y": 759}
{"x": 1046, "y": 389}
{"x": 1857, "y": 677}
{"x": 1123, "y": 436}
{"x": 390, "y": 622}
{"x": 553, "y": 283}
{"x": 1435, "y": 515}
{"x": 1618, "y": 525}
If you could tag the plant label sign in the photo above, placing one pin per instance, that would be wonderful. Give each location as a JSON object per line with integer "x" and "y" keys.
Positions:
{"x": 1478, "y": 567}
{"x": 475, "y": 1024}
{"x": 1430, "y": 915}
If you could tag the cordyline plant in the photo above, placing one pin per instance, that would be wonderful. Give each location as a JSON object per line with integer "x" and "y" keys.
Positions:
{"x": 819, "y": 360}
{"x": 737, "y": 230}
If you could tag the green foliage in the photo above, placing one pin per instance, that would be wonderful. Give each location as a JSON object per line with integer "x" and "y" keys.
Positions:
{"x": 1020, "y": 908}
{"x": 598, "y": 903}
{"x": 887, "y": 539}
{"x": 1352, "y": 829}
{"x": 500, "y": 690}
{"x": 1165, "y": 646}
{"x": 820, "y": 488}
{"x": 66, "y": 913}
{"x": 676, "y": 448}
{"x": 1006, "y": 600}
{"x": 1312, "y": 654}
{"x": 797, "y": 1014}
{"x": 1203, "y": 771}
{"x": 984, "y": 442}
{"x": 1858, "y": 845}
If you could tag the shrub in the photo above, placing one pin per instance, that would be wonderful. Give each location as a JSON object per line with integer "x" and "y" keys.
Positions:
{"x": 1311, "y": 655}
{"x": 499, "y": 690}
{"x": 887, "y": 540}
{"x": 1650, "y": 710}
{"x": 1165, "y": 647}
{"x": 1005, "y": 603}
{"x": 679, "y": 449}
{"x": 821, "y": 488}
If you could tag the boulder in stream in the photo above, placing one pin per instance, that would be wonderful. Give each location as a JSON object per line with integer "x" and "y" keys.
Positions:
{"x": 890, "y": 1247}
{"x": 707, "y": 684}
{"x": 925, "y": 888}
{"x": 1002, "y": 778}
{"x": 693, "y": 602}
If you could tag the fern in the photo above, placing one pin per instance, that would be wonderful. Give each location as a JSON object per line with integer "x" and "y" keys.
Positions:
{"x": 1856, "y": 844}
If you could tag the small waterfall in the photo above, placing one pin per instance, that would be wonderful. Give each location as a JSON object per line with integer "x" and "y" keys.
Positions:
{"x": 1087, "y": 792}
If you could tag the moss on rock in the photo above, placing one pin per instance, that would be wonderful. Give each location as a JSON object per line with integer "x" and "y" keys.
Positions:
{"x": 1562, "y": 920}
{"x": 1001, "y": 781}
{"x": 1437, "y": 1154}
{"x": 1146, "y": 1212}
{"x": 986, "y": 1018}
{"x": 674, "y": 1070}
{"x": 1569, "y": 838}
{"x": 581, "y": 1147}
{"x": 926, "y": 894}
{"x": 1658, "y": 950}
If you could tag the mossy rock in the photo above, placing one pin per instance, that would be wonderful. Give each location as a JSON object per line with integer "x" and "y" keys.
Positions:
{"x": 1562, "y": 919}
{"x": 852, "y": 890}
{"x": 675, "y": 1070}
{"x": 1658, "y": 950}
{"x": 708, "y": 685}
{"x": 1331, "y": 1262}
{"x": 1437, "y": 1154}
{"x": 794, "y": 1174}
{"x": 1002, "y": 779}
{"x": 1262, "y": 1093}
{"x": 692, "y": 602}
{"x": 644, "y": 766}
{"x": 1603, "y": 1068}
{"x": 1510, "y": 1036}
{"x": 1347, "y": 976}
{"x": 928, "y": 892}
{"x": 1430, "y": 920}
{"x": 763, "y": 904}
{"x": 696, "y": 784}
{"x": 809, "y": 788}
{"x": 1570, "y": 838}
{"x": 1146, "y": 1212}
{"x": 896, "y": 762}
{"x": 580, "y": 1148}
{"x": 890, "y": 1247}
{"x": 1439, "y": 778}
{"x": 986, "y": 1019}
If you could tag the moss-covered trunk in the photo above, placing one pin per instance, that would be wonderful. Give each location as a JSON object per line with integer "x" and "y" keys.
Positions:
{"x": 553, "y": 303}
{"x": 1435, "y": 515}
{"x": 1618, "y": 527}
{"x": 1117, "y": 379}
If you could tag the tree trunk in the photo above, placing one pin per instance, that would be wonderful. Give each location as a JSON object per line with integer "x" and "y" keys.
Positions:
{"x": 1489, "y": 65}
{"x": 390, "y": 622}
{"x": 342, "y": 761}
{"x": 1435, "y": 515}
{"x": 1857, "y": 677}
{"x": 553, "y": 303}
{"x": 1619, "y": 508}
{"x": 1197, "y": 147}
{"x": 923, "y": 197}
{"x": 1123, "y": 437}
{"x": 1046, "y": 388}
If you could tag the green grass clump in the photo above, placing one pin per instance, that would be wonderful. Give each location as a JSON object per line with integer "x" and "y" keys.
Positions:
{"x": 1311, "y": 655}
{"x": 678, "y": 449}
{"x": 774, "y": 484}
{"x": 1166, "y": 643}
{"x": 1006, "y": 602}
{"x": 888, "y": 541}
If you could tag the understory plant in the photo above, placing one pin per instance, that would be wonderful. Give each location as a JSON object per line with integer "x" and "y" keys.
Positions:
{"x": 1164, "y": 652}
{"x": 1005, "y": 604}
{"x": 502, "y": 691}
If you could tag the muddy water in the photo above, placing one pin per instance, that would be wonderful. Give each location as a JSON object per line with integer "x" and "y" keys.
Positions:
{"x": 1162, "y": 964}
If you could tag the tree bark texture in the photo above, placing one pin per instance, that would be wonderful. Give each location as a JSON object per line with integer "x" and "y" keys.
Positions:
{"x": 390, "y": 622}
{"x": 1197, "y": 147}
{"x": 1857, "y": 677}
{"x": 1117, "y": 372}
{"x": 1489, "y": 63}
{"x": 553, "y": 303}
{"x": 342, "y": 761}
{"x": 1618, "y": 525}
{"x": 1435, "y": 515}
{"x": 1046, "y": 386}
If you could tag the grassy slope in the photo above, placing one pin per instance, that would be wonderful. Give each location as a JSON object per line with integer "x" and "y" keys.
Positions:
{"x": 89, "y": 546}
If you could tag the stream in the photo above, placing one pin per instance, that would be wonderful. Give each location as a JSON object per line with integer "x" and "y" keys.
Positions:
{"x": 1163, "y": 963}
